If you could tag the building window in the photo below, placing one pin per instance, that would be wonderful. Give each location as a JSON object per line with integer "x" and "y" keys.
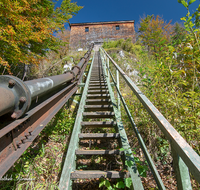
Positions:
{"x": 117, "y": 27}
{"x": 86, "y": 29}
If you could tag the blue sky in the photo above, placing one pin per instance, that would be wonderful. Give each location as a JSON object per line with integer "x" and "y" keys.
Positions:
{"x": 116, "y": 10}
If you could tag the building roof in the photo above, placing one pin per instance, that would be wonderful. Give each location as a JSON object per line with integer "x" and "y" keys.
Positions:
{"x": 95, "y": 23}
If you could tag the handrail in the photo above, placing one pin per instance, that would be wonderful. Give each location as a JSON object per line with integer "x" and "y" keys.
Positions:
{"x": 182, "y": 148}
{"x": 141, "y": 142}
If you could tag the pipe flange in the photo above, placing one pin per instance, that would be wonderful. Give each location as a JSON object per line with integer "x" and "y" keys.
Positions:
{"x": 72, "y": 72}
{"x": 79, "y": 69}
{"x": 82, "y": 58}
{"x": 21, "y": 92}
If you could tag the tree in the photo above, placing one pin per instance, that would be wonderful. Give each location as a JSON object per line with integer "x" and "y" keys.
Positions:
{"x": 178, "y": 35}
{"x": 64, "y": 36}
{"x": 27, "y": 28}
{"x": 155, "y": 33}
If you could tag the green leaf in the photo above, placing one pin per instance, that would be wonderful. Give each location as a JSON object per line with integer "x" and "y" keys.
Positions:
{"x": 183, "y": 18}
{"x": 107, "y": 183}
{"x": 142, "y": 170}
{"x": 120, "y": 184}
{"x": 128, "y": 182}
{"x": 184, "y": 3}
{"x": 102, "y": 184}
{"x": 191, "y": 1}
{"x": 129, "y": 163}
{"x": 110, "y": 188}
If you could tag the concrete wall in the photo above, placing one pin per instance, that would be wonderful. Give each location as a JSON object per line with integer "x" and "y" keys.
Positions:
{"x": 100, "y": 32}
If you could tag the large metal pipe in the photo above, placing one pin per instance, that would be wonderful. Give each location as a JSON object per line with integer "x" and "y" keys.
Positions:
{"x": 16, "y": 95}
{"x": 39, "y": 87}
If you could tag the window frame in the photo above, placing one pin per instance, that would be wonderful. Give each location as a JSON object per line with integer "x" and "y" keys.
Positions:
{"x": 117, "y": 27}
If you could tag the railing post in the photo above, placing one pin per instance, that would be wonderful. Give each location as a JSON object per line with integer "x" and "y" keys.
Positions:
{"x": 107, "y": 59}
{"x": 181, "y": 172}
{"x": 118, "y": 96}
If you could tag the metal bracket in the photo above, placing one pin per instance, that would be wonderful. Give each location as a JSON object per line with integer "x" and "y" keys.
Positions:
{"x": 72, "y": 72}
{"x": 77, "y": 68}
{"x": 81, "y": 84}
{"x": 82, "y": 58}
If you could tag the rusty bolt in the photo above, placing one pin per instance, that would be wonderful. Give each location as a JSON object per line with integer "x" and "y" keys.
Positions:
{"x": 15, "y": 130}
{"x": 30, "y": 131}
{"x": 22, "y": 139}
{"x": 11, "y": 83}
{"x": 18, "y": 144}
{"x": 20, "y": 126}
{"x": 22, "y": 99}
{"x": 26, "y": 135}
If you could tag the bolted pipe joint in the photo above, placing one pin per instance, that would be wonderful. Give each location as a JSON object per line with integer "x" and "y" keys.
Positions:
{"x": 15, "y": 96}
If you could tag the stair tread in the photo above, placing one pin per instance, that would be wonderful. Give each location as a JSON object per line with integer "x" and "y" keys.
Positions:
{"x": 99, "y": 100}
{"x": 98, "y": 91}
{"x": 84, "y": 174}
{"x": 98, "y": 152}
{"x": 98, "y": 135}
{"x": 102, "y": 101}
{"x": 98, "y": 81}
{"x": 98, "y": 124}
{"x": 98, "y": 106}
{"x": 98, "y": 95}
{"x": 98, "y": 114}
{"x": 93, "y": 108}
{"x": 98, "y": 87}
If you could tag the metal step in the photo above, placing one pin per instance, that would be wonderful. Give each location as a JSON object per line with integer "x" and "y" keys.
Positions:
{"x": 98, "y": 91}
{"x": 98, "y": 101}
{"x": 97, "y": 81}
{"x": 98, "y": 87}
{"x": 98, "y": 108}
{"x": 98, "y": 174}
{"x": 94, "y": 115}
{"x": 98, "y": 96}
{"x": 98, "y": 135}
{"x": 98, "y": 152}
{"x": 97, "y": 84}
{"x": 97, "y": 74}
{"x": 102, "y": 124}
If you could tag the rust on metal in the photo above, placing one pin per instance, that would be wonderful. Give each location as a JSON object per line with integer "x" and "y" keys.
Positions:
{"x": 17, "y": 136}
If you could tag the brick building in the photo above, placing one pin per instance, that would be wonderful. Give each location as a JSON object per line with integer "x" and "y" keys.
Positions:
{"x": 83, "y": 34}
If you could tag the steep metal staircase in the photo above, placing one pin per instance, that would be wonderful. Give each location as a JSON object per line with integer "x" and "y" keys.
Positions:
{"x": 98, "y": 110}
{"x": 98, "y": 145}
{"x": 99, "y": 135}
